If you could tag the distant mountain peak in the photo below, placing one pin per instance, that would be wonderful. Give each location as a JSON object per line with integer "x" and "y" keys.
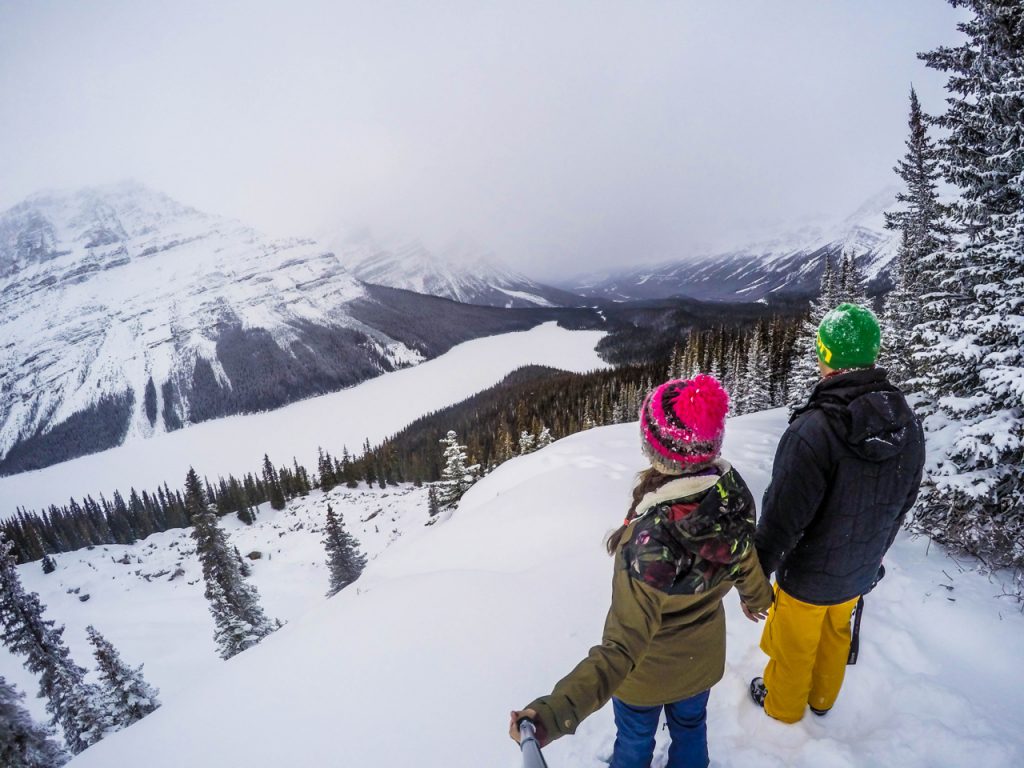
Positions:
{"x": 779, "y": 261}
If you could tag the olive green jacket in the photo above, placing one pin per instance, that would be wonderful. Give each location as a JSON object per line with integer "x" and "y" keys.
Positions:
{"x": 664, "y": 638}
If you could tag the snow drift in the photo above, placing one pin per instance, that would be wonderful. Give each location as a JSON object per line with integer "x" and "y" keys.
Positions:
{"x": 453, "y": 625}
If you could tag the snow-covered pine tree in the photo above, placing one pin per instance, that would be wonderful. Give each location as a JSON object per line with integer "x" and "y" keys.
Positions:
{"x": 23, "y": 742}
{"x": 456, "y": 476}
{"x": 804, "y": 373}
{"x": 923, "y": 228}
{"x": 49, "y": 564}
{"x": 974, "y": 339}
{"x": 526, "y": 442}
{"x": 127, "y": 695}
{"x": 344, "y": 560}
{"x": 73, "y": 703}
{"x": 544, "y": 438}
{"x": 733, "y": 379}
{"x": 756, "y": 384}
{"x": 235, "y": 605}
{"x": 901, "y": 312}
{"x": 675, "y": 363}
{"x": 922, "y": 218}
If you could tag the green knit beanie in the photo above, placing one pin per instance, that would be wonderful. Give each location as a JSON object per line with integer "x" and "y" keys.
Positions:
{"x": 849, "y": 337}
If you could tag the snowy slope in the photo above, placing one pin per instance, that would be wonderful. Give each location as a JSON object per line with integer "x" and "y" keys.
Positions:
{"x": 454, "y": 625}
{"x": 372, "y": 410}
{"x": 459, "y": 273}
{"x": 160, "y": 618}
{"x": 752, "y": 267}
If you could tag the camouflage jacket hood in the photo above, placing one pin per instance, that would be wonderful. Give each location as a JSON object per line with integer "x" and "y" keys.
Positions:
{"x": 691, "y": 534}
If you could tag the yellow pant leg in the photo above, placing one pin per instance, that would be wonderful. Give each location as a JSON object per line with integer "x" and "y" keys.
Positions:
{"x": 833, "y": 652}
{"x": 790, "y": 639}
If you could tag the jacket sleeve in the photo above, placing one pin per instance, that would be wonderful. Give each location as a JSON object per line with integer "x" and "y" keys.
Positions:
{"x": 915, "y": 488}
{"x": 797, "y": 488}
{"x": 754, "y": 588}
{"x": 633, "y": 619}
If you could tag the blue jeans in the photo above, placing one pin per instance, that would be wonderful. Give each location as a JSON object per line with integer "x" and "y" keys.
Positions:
{"x": 636, "y": 726}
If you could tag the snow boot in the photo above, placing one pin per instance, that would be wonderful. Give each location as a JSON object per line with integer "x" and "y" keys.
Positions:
{"x": 819, "y": 712}
{"x": 758, "y": 691}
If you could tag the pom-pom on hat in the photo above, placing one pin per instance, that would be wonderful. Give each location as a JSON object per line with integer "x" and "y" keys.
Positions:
{"x": 683, "y": 422}
{"x": 849, "y": 337}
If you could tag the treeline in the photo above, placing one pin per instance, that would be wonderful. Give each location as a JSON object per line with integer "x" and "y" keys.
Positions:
{"x": 117, "y": 520}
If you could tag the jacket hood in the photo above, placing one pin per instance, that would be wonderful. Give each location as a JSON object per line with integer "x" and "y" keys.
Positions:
{"x": 711, "y": 518}
{"x": 867, "y": 412}
{"x": 682, "y": 488}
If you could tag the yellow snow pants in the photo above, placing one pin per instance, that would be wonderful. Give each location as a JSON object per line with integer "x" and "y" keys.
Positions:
{"x": 808, "y": 646}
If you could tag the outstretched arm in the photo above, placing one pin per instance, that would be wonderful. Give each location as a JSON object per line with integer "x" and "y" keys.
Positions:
{"x": 634, "y": 617}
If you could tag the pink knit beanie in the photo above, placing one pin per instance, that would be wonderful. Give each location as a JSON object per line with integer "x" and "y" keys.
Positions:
{"x": 683, "y": 423}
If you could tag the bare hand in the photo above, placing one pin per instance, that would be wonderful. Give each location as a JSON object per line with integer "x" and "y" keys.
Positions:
{"x": 513, "y": 725}
{"x": 754, "y": 616}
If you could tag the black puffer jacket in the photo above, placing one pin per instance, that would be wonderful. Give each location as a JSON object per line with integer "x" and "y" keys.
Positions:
{"x": 846, "y": 472}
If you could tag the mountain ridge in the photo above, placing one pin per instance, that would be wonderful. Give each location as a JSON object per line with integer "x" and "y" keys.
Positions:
{"x": 783, "y": 263}
{"x": 125, "y": 313}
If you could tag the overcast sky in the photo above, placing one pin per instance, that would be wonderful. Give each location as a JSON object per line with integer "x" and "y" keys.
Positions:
{"x": 564, "y": 136}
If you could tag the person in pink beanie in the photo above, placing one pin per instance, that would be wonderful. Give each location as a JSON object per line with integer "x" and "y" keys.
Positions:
{"x": 687, "y": 539}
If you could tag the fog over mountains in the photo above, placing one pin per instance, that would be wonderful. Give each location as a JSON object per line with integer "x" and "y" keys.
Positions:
{"x": 124, "y": 313}
{"x": 785, "y": 263}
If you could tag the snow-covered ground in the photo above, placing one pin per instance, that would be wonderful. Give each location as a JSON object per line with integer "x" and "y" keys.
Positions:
{"x": 159, "y": 617}
{"x": 453, "y": 625}
{"x": 372, "y": 410}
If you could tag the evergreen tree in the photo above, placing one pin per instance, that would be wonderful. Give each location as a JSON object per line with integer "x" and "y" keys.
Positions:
{"x": 755, "y": 389}
{"x": 325, "y": 468}
{"x": 457, "y": 476}
{"x": 922, "y": 220}
{"x": 73, "y": 704}
{"x": 852, "y": 284}
{"x": 348, "y": 470}
{"x": 129, "y": 698}
{"x": 902, "y": 311}
{"x": 526, "y": 442}
{"x": 49, "y": 564}
{"x": 344, "y": 560}
{"x": 238, "y": 618}
{"x": 544, "y": 438}
{"x": 271, "y": 478}
{"x": 974, "y": 330}
{"x": 433, "y": 505}
{"x": 24, "y": 743}
{"x": 804, "y": 372}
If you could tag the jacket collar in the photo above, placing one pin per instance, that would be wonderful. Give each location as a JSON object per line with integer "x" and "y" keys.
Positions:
{"x": 842, "y": 388}
{"x": 680, "y": 488}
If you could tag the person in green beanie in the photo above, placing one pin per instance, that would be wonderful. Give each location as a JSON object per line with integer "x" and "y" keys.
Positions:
{"x": 846, "y": 472}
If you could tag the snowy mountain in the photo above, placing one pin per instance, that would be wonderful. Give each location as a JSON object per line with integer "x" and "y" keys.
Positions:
{"x": 460, "y": 273}
{"x": 453, "y": 625}
{"x": 125, "y": 314}
{"x": 786, "y": 262}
